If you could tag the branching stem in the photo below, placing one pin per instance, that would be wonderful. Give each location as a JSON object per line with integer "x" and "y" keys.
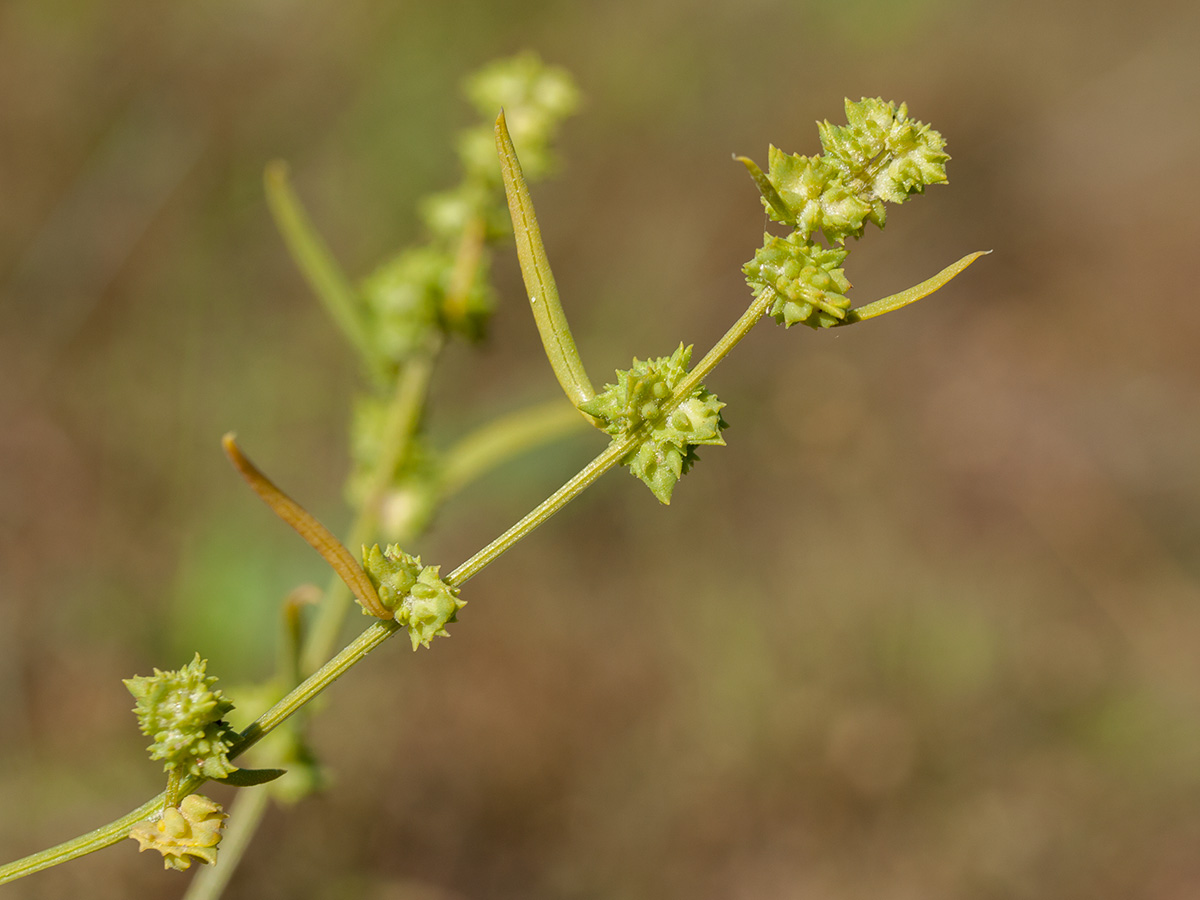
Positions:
{"x": 381, "y": 630}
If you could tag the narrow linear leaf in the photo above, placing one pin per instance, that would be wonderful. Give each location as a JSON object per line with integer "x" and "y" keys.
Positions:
{"x": 768, "y": 191}
{"x": 251, "y": 777}
{"x": 315, "y": 261}
{"x": 548, "y": 313}
{"x": 305, "y": 524}
{"x": 914, "y": 293}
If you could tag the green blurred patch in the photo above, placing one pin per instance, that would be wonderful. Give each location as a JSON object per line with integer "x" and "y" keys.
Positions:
{"x": 233, "y": 577}
{"x": 1137, "y": 731}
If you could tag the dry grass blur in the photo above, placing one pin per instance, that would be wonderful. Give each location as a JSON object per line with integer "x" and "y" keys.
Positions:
{"x": 948, "y": 643}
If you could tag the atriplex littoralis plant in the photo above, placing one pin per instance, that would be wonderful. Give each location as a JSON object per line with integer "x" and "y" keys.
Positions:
{"x": 657, "y": 413}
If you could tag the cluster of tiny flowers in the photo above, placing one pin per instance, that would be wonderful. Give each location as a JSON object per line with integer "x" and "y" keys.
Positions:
{"x": 184, "y": 715}
{"x": 535, "y": 98}
{"x": 436, "y": 288}
{"x": 640, "y": 401}
{"x": 192, "y": 829}
{"x": 880, "y": 155}
{"x": 407, "y": 295}
{"x": 420, "y": 599}
{"x": 807, "y": 282}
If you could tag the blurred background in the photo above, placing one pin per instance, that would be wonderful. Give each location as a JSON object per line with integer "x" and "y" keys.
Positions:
{"x": 929, "y": 627}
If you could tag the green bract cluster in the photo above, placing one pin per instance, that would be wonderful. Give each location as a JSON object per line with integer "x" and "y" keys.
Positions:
{"x": 183, "y": 714}
{"x": 809, "y": 287}
{"x": 408, "y": 296}
{"x": 441, "y": 287}
{"x": 880, "y": 155}
{"x": 422, "y": 601}
{"x": 641, "y": 400}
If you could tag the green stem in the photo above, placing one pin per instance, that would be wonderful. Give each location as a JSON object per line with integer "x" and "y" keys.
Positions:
{"x": 403, "y": 417}
{"x": 614, "y": 453}
{"x": 503, "y": 439}
{"x": 380, "y": 630}
{"x": 466, "y": 268}
{"x": 118, "y": 830}
{"x": 102, "y": 837}
{"x": 721, "y": 348}
{"x": 543, "y": 511}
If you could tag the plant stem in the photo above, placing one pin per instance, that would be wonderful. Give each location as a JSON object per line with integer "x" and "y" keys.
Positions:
{"x": 118, "y": 830}
{"x": 504, "y": 438}
{"x": 615, "y": 451}
{"x": 543, "y": 511}
{"x": 81, "y": 846}
{"x": 721, "y": 348}
{"x": 466, "y": 267}
{"x": 403, "y": 417}
{"x": 380, "y": 630}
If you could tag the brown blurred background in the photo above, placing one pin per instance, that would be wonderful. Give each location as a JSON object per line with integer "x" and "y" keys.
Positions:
{"x": 929, "y": 627}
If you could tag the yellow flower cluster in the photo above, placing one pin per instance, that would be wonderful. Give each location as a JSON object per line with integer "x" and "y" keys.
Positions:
{"x": 192, "y": 829}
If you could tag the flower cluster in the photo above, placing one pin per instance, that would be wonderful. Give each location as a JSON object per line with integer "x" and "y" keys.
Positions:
{"x": 422, "y": 601}
{"x": 427, "y": 288}
{"x": 641, "y": 400}
{"x": 880, "y": 155}
{"x": 535, "y": 99}
{"x": 192, "y": 829}
{"x": 808, "y": 286}
{"x": 442, "y": 286}
{"x": 184, "y": 715}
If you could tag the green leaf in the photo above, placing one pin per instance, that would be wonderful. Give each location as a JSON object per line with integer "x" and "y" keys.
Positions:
{"x": 251, "y": 777}
{"x": 775, "y": 205}
{"x": 914, "y": 293}
{"x": 552, "y": 326}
